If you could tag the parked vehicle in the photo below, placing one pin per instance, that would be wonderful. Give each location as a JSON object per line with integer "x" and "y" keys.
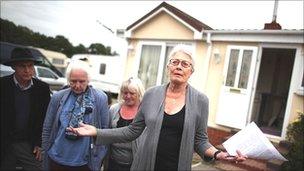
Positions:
{"x": 59, "y": 60}
{"x": 6, "y": 49}
{"x": 107, "y": 71}
{"x": 43, "y": 73}
{"x": 5, "y": 70}
{"x": 50, "y": 77}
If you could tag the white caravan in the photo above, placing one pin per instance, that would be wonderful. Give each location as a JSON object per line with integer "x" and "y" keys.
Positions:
{"x": 107, "y": 71}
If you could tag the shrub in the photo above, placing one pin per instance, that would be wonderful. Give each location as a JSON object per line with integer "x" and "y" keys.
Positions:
{"x": 295, "y": 133}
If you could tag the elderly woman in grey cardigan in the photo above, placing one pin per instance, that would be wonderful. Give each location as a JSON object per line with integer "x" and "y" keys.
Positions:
{"x": 175, "y": 116}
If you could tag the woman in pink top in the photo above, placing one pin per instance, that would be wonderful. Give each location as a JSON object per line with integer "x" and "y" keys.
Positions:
{"x": 122, "y": 114}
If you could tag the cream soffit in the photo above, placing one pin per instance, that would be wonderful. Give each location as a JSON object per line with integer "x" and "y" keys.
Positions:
{"x": 197, "y": 35}
{"x": 257, "y": 31}
{"x": 269, "y": 36}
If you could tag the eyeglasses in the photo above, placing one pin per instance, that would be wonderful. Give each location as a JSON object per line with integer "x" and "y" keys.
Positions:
{"x": 175, "y": 62}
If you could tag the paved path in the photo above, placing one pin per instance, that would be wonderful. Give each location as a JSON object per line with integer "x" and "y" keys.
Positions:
{"x": 203, "y": 166}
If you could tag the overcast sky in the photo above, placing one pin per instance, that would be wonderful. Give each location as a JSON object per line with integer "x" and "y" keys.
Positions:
{"x": 77, "y": 20}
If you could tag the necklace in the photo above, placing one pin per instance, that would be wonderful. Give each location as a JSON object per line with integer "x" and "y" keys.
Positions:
{"x": 174, "y": 102}
{"x": 175, "y": 94}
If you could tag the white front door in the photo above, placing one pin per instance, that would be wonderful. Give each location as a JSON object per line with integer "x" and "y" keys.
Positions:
{"x": 237, "y": 86}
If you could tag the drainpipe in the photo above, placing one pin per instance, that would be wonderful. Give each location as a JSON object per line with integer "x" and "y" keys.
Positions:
{"x": 207, "y": 63}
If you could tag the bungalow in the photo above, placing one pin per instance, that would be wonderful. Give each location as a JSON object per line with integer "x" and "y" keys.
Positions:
{"x": 248, "y": 75}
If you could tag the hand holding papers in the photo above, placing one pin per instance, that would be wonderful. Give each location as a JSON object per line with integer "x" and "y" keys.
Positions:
{"x": 252, "y": 142}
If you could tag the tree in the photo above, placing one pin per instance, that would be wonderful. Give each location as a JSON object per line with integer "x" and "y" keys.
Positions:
{"x": 108, "y": 50}
{"x": 97, "y": 48}
{"x": 24, "y": 36}
{"x": 63, "y": 45}
{"x": 80, "y": 49}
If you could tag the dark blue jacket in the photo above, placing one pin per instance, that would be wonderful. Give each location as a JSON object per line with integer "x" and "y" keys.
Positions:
{"x": 39, "y": 100}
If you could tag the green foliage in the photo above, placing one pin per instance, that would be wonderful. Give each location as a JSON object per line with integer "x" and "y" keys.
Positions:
{"x": 80, "y": 49}
{"x": 24, "y": 36}
{"x": 97, "y": 48}
{"x": 295, "y": 155}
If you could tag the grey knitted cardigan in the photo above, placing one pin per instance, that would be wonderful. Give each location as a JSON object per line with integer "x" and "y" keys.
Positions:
{"x": 150, "y": 116}
{"x": 124, "y": 155}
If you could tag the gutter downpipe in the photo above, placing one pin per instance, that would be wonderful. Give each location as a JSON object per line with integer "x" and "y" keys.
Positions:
{"x": 207, "y": 63}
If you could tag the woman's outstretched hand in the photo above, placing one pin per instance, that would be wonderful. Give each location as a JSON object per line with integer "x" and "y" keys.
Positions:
{"x": 84, "y": 130}
{"x": 237, "y": 158}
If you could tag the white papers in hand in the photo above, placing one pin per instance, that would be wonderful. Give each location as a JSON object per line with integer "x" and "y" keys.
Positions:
{"x": 252, "y": 142}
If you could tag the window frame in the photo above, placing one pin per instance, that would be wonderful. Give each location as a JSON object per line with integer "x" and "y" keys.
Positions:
{"x": 47, "y": 70}
{"x": 241, "y": 49}
{"x": 162, "y": 62}
{"x": 300, "y": 90}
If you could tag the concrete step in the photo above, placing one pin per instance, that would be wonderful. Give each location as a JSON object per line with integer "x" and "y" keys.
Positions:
{"x": 283, "y": 147}
{"x": 221, "y": 165}
{"x": 274, "y": 165}
{"x": 249, "y": 164}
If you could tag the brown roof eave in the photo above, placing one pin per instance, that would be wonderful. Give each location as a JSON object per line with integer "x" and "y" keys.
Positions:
{"x": 145, "y": 16}
{"x": 196, "y": 24}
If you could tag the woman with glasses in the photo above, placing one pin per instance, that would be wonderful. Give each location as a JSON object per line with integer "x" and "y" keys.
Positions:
{"x": 79, "y": 103}
{"x": 122, "y": 114}
{"x": 175, "y": 116}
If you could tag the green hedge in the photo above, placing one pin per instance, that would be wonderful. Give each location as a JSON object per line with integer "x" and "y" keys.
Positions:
{"x": 295, "y": 133}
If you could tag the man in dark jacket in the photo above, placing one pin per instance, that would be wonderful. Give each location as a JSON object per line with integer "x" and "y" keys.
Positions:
{"x": 24, "y": 101}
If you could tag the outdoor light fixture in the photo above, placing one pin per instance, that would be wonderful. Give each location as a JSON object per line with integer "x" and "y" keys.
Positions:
{"x": 216, "y": 56}
{"x": 130, "y": 47}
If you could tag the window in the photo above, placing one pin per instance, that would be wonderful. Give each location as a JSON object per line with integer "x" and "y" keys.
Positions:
{"x": 58, "y": 61}
{"x": 245, "y": 68}
{"x": 234, "y": 57}
{"x": 165, "y": 78}
{"x": 239, "y": 66}
{"x": 42, "y": 72}
{"x": 102, "y": 69}
{"x": 152, "y": 63}
{"x": 149, "y": 62}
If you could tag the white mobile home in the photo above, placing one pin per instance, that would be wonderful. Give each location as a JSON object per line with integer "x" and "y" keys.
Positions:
{"x": 107, "y": 71}
{"x": 59, "y": 60}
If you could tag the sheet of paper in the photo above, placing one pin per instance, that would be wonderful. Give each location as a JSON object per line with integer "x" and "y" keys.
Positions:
{"x": 252, "y": 142}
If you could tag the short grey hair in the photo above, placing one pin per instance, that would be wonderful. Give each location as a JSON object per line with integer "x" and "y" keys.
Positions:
{"x": 132, "y": 83}
{"x": 79, "y": 65}
{"x": 187, "y": 49}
